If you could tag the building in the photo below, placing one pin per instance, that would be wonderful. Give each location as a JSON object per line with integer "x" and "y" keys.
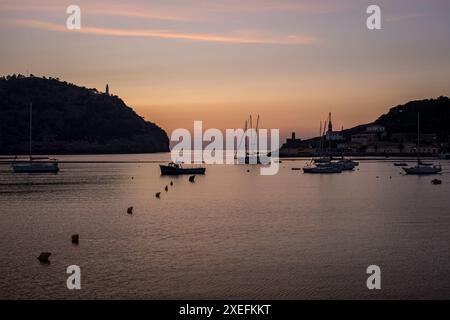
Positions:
{"x": 107, "y": 89}
{"x": 376, "y": 128}
{"x": 331, "y": 135}
{"x": 293, "y": 142}
{"x": 373, "y": 134}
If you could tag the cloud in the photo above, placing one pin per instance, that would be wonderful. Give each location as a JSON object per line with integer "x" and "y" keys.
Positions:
{"x": 189, "y": 10}
{"x": 403, "y": 17}
{"x": 237, "y": 38}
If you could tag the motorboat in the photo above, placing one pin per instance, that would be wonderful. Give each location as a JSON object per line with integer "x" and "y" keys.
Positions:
{"x": 178, "y": 169}
{"x": 322, "y": 169}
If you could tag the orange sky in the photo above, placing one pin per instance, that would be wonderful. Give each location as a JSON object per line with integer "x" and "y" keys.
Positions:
{"x": 290, "y": 61}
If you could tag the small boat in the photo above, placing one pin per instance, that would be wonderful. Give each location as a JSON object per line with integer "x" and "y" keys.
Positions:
{"x": 323, "y": 160}
{"x": 400, "y": 164}
{"x": 344, "y": 165}
{"x": 177, "y": 169}
{"x": 323, "y": 169}
{"x": 349, "y": 161}
{"x": 423, "y": 169}
{"x": 35, "y": 167}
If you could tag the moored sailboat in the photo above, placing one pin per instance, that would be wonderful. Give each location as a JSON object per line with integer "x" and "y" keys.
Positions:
{"x": 422, "y": 168}
{"x": 33, "y": 166}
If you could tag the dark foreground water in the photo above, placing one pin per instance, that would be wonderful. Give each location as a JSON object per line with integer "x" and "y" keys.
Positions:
{"x": 232, "y": 235}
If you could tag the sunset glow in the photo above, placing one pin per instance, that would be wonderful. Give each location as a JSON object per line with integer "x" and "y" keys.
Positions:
{"x": 289, "y": 61}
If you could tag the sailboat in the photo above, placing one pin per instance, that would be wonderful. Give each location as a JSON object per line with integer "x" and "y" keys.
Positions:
{"x": 32, "y": 166}
{"x": 422, "y": 168}
{"x": 250, "y": 157}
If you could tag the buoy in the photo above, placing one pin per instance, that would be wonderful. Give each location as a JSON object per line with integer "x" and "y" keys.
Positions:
{"x": 171, "y": 183}
{"x": 166, "y": 188}
{"x": 192, "y": 179}
{"x": 157, "y": 194}
{"x": 43, "y": 257}
{"x": 248, "y": 170}
{"x": 130, "y": 210}
{"x": 132, "y": 178}
{"x": 436, "y": 181}
{"x": 75, "y": 238}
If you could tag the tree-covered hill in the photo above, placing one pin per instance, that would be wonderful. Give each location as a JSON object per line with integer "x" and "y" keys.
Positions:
{"x": 71, "y": 119}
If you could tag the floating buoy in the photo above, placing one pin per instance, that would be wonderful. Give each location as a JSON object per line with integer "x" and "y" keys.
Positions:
{"x": 43, "y": 257}
{"x": 192, "y": 179}
{"x": 166, "y": 188}
{"x": 171, "y": 183}
{"x": 130, "y": 210}
{"x": 157, "y": 194}
{"x": 75, "y": 238}
{"x": 436, "y": 181}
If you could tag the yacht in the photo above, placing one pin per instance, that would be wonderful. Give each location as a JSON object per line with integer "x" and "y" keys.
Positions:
{"x": 35, "y": 165}
{"x": 322, "y": 169}
{"x": 422, "y": 168}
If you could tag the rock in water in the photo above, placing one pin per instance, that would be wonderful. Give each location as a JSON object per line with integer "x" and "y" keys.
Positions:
{"x": 171, "y": 183}
{"x": 192, "y": 179}
{"x": 130, "y": 210}
{"x": 158, "y": 194}
{"x": 44, "y": 257}
{"x": 166, "y": 188}
{"x": 75, "y": 238}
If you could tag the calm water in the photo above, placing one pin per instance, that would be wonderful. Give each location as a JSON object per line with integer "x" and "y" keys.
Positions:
{"x": 233, "y": 234}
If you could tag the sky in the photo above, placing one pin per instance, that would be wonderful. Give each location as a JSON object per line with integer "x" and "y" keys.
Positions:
{"x": 290, "y": 61}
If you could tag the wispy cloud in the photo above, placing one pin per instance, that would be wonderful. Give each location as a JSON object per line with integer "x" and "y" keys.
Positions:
{"x": 397, "y": 18}
{"x": 236, "y": 38}
{"x": 189, "y": 10}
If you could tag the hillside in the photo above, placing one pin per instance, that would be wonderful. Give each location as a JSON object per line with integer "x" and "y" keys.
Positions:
{"x": 434, "y": 117}
{"x": 71, "y": 119}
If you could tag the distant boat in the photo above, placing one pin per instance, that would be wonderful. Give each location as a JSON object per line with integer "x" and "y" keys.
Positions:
{"x": 323, "y": 160}
{"x": 33, "y": 166}
{"x": 250, "y": 157}
{"x": 422, "y": 168}
{"x": 177, "y": 169}
{"x": 36, "y": 167}
{"x": 323, "y": 169}
{"x": 400, "y": 164}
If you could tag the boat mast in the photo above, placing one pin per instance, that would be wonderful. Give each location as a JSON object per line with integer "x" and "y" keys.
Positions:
{"x": 418, "y": 136}
{"x": 251, "y": 136}
{"x": 257, "y": 128}
{"x": 31, "y": 131}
